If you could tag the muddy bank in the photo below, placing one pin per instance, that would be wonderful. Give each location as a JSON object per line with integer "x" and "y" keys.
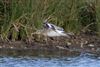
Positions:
{"x": 80, "y": 43}
{"x": 38, "y": 53}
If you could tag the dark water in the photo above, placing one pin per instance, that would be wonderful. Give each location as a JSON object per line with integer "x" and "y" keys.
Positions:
{"x": 58, "y": 59}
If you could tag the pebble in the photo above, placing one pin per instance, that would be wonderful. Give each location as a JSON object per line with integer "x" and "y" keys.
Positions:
{"x": 91, "y": 45}
{"x": 98, "y": 49}
{"x": 68, "y": 43}
{"x": 86, "y": 42}
{"x": 25, "y": 47}
{"x": 82, "y": 45}
{"x": 0, "y": 46}
{"x": 11, "y": 47}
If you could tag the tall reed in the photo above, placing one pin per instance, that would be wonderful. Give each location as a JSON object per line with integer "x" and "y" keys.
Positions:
{"x": 23, "y": 17}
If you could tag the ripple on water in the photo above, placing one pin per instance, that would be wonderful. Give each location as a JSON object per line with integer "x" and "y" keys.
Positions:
{"x": 79, "y": 61}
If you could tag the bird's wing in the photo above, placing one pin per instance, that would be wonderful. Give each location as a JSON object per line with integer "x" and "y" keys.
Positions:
{"x": 57, "y": 28}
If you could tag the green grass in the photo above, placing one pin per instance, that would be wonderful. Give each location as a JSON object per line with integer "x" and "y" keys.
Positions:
{"x": 20, "y": 18}
{"x": 98, "y": 16}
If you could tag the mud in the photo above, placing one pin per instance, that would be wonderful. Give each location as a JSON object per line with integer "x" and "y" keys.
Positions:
{"x": 80, "y": 43}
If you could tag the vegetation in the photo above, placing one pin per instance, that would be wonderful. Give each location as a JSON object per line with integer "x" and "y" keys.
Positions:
{"x": 20, "y": 18}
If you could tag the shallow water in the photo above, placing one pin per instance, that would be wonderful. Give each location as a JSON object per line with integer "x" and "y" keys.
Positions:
{"x": 79, "y": 60}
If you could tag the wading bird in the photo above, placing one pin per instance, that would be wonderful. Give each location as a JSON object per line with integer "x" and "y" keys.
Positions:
{"x": 54, "y": 30}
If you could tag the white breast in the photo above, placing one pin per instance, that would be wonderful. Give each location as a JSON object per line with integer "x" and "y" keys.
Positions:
{"x": 53, "y": 34}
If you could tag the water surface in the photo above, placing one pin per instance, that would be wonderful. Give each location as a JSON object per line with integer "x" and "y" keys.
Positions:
{"x": 43, "y": 60}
